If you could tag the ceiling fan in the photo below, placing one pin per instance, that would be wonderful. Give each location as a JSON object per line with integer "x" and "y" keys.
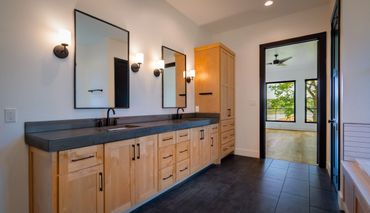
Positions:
{"x": 279, "y": 62}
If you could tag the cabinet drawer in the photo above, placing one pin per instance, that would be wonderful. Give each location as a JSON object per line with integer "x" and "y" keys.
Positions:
{"x": 227, "y": 136}
{"x": 213, "y": 128}
{"x": 166, "y": 139}
{"x": 166, "y": 156}
{"x": 227, "y": 148}
{"x": 76, "y": 159}
{"x": 182, "y": 169}
{"x": 227, "y": 125}
{"x": 167, "y": 177}
{"x": 183, "y": 135}
{"x": 182, "y": 151}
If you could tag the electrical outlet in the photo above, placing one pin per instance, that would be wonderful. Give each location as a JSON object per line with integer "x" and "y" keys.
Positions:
{"x": 196, "y": 108}
{"x": 10, "y": 115}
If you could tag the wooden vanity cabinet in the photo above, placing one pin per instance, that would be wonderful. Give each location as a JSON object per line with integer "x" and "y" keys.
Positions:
{"x": 214, "y": 143}
{"x": 166, "y": 159}
{"x": 130, "y": 172}
{"x": 117, "y": 176}
{"x": 200, "y": 148}
{"x": 215, "y": 87}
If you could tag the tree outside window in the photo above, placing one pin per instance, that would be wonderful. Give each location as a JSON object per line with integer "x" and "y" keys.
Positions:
{"x": 311, "y": 101}
{"x": 281, "y": 101}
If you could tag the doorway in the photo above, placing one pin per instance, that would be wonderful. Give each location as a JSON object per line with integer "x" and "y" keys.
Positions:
{"x": 335, "y": 97}
{"x": 290, "y": 113}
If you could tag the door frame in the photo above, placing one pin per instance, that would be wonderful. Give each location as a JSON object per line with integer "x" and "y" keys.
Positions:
{"x": 321, "y": 77}
{"x": 336, "y": 11}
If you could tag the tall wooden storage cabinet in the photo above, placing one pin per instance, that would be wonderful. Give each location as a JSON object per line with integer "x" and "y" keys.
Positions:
{"x": 215, "y": 89}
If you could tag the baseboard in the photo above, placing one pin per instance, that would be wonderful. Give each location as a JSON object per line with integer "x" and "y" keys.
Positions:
{"x": 247, "y": 153}
{"x": 328, "y": 167}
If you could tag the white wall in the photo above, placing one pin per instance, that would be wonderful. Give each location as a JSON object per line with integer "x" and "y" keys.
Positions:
{"x": 40, "y": 85}
{"x": 245, "y": 42}
{"x": 302, "y": 66}
{"x": 355, "y": 62}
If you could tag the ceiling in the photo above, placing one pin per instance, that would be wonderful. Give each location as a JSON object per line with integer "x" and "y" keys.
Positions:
{"x": 223, "y": 15}
{"x": 304, "y": 57}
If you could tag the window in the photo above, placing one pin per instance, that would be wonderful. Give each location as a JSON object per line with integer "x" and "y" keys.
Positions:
{"x": 311, "y": 101}
{"x": 281, "y": 101}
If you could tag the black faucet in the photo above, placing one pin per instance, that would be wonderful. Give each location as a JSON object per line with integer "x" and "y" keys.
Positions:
{"x": 107, "y": 122}
{"x": 179, "y": 116}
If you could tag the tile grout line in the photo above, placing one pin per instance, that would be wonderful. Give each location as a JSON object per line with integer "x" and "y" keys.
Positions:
{"x": 281, "y": 190}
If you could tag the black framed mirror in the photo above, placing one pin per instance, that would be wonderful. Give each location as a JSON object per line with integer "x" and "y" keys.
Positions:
{"x": 102, "y": 75}
{"x": 173, "y": 79}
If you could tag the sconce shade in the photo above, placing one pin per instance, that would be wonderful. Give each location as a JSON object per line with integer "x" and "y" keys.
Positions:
{"x": 64, "y": 39}
{"x": 189, "y": 75}
{"x": 159, "y": 68}
{"x": 139, "y": 59}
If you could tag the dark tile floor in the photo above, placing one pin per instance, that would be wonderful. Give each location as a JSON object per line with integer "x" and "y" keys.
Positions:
{"x": 242, "y": 184}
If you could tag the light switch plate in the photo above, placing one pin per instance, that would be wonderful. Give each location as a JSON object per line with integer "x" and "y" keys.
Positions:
{"x": 196, "y": 108}
{"x": 10, "y": 115}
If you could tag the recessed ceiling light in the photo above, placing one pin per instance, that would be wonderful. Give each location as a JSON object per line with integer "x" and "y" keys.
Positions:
{"x": 269, "y": 3}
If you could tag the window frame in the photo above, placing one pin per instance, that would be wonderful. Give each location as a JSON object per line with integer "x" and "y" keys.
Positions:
{"x": 305, "y": 99}
{"x": 295, "y": 101}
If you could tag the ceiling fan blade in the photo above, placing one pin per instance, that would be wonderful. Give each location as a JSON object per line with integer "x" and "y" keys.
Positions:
{"x": 284, "y": 60}
{"x": 281, "y": 64}
{"x": 269, "y": 64}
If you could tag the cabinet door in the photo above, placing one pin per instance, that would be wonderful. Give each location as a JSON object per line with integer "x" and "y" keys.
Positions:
{"x": 119, "y": 157}
{"x": 195, "y": 161}
{"x": 145, "y": 168}
{"x": 82, "y": 191}
{"x": 205, "y": 147}
{"x": 231, "y": 87}
{"x": 207, "y": 82}
{"x": 214, "y": 146}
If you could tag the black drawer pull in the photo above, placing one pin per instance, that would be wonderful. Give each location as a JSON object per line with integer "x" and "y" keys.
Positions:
{"x": 183, "y": 151}
{"x": 167, "y": 177}
{"x": 100, "y": 181}
{"x": 167, "y": 157}
{"x": 134, "y": 156}
{"x": 181, "y": 170}
{"x": 167, "y": 139}
{"x": 206, "y": 93}
{"x": 138, "y": 151}
{"x": 83, "y": 158}
{"x": 181, "y": 136}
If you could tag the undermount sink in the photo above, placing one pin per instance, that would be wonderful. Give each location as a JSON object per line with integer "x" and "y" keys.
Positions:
{"x": 128, "y": 126}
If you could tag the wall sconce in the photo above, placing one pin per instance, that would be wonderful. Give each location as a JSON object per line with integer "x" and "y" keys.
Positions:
{"x": 189, "y": 75}
{"x": 64, "y": 39}
{"x": 139, "y": 59}
{"x": 159, "y": 68}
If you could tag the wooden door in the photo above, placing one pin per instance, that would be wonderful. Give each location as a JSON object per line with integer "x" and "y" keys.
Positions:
{"x": 214, "y": 146}
{"x": 145, "y": 168}
{"x": 119, "y": 157}
{"x": 195, "y": 161}
{"x": 205, "y": 147}
{"x": 224, "y": 58}
{"x": 231, "y": 86}
{"x": 82, "y": 191}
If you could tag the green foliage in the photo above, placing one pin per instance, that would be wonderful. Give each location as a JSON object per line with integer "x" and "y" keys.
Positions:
{"x": 311, "y": 100}
{"x": 284, "y": 98}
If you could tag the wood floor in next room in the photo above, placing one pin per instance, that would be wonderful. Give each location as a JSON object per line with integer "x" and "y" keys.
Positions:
{"x": 242, "y": 184}
{"x": 291, "y": 145}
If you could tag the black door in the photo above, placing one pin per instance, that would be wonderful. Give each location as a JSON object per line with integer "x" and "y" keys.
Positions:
{"x": 334, "y": 120}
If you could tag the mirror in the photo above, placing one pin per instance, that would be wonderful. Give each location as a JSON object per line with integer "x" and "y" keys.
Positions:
{"x": 101, "y": 63}
{"x": 173, "y": 79}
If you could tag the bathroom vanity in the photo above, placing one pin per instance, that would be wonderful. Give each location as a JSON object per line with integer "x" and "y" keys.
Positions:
{"x": 116, "y": 168}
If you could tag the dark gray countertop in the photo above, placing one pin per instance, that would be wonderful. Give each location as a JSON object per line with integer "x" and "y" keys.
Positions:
{"x": 52, "y": 141}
